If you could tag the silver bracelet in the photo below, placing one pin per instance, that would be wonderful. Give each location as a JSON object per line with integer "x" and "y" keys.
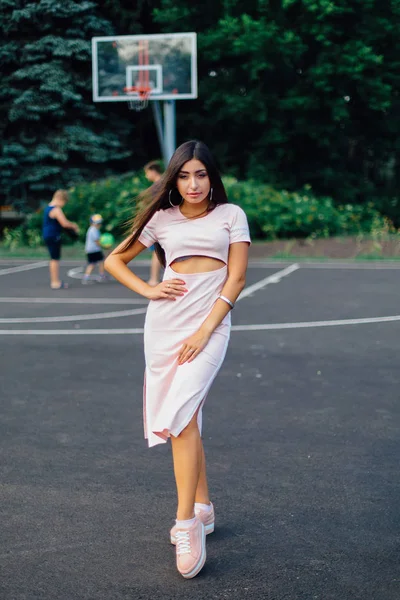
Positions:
{"x": 225, "y": 299}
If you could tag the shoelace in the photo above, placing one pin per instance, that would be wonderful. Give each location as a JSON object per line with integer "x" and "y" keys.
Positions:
{"x": 182, "y": 542}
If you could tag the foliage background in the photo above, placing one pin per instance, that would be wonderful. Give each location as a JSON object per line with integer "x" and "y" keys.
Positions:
{"x": 301, "y": 91}
{"x": 292, "y": 93}
{"x": 272, "y": 213}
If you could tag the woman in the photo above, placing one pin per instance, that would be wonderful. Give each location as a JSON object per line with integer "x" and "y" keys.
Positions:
{"x": 203, "y": 243}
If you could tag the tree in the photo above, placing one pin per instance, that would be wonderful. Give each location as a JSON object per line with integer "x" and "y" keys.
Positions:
{"x": 297, "y": 92}
{"x": 52, "y": 133}
{"x": 127, "y": 17}
{"x": 291, "y": 92}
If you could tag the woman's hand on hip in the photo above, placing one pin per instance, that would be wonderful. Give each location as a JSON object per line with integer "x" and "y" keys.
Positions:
{"x": 193, "y": 346}
{"x": 167, "y": 289}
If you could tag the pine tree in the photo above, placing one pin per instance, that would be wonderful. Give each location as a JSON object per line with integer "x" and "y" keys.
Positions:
{"x": 53, "y": 135}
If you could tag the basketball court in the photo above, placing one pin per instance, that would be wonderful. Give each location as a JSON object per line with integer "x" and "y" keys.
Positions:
{"x": 301, "y": 431}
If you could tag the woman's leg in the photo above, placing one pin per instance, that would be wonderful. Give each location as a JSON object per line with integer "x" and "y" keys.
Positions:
{"x": 202, "y": 495}
{"x": 187, "y": 457}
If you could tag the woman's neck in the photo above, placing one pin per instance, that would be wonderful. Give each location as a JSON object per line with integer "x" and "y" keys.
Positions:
{"x": 192, "y": 211}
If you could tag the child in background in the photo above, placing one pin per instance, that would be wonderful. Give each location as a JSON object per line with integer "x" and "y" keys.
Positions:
{"x": 93, "y": 250}
{"x": 54, "y": 221}
{"x": 152, "y": 171}
{"x": 153, "y": 174}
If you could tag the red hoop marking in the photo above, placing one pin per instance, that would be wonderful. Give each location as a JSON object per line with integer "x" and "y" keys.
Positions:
{"x": 142, "y": 89}
{"x": 142, "y": 92}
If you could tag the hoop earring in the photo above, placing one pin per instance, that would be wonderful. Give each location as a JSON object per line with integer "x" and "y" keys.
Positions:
{"x": 171, "y": 203}
{"x": 211, "y": 194}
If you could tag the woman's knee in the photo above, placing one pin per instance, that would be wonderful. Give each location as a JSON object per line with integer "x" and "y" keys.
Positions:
{"x": 191, "y": 429}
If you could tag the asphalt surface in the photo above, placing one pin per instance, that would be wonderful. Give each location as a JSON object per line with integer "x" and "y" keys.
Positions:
{"x": 301, "y": 431}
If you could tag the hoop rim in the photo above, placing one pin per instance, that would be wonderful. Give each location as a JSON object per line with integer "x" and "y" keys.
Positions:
{"x": 140, "y": 100}
{"x": 137, "y": 97}
{"x": 141, "y": 91}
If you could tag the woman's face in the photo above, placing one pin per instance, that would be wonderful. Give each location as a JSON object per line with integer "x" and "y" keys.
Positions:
{"x": 193, "y": 182}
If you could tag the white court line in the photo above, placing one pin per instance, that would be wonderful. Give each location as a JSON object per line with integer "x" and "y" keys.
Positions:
{"x": 352, "y": 266}
{"x": 256, "y": 263}
{"x": 266, "y": 263}
{"x": 70, "y": 331}
{"x": 73, "y": 300}
{"x": 24, "y": 268}
{"x": 306, "y": 324}
{"x": 90, "y": 317}
{"x": 360, "y": 266}
{"x": 76, "y": 273}
{"x": 67, "y": 262}
{"x": 261, "y": 327}
{"x": 275, "y": 278}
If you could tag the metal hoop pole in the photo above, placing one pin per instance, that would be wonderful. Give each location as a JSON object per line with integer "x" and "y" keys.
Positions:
{"x": 169, "y": 128}
{"x": 155, "y": 105}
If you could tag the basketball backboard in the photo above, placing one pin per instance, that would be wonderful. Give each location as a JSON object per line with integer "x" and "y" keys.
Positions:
{"x": 163, "y": 64}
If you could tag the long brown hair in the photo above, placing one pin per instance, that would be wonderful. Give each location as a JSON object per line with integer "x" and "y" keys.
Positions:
{"x": 159, "y": 195}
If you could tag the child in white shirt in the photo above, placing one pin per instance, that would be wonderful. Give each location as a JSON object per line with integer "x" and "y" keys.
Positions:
{"x": 93, "y": 250}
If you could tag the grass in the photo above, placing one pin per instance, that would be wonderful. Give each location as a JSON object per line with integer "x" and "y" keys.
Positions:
{"x": 360, "y": 257}
{"x": 73, "y": 252}
{"x": 376, "y": 257}
{"x": 352, "y": 248}
{"x": 77, "y": 252}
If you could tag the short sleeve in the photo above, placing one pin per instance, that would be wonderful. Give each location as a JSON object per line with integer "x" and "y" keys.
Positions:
{"x": 239, "y": 228}
{"x": 93, "y": 235}
{"x": 149, "y": 234}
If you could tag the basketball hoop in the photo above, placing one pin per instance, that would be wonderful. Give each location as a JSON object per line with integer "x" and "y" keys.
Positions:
{"x": 140, "y": 100}
{"x": 150, "y": 71}
{"x": 142, "y": 88}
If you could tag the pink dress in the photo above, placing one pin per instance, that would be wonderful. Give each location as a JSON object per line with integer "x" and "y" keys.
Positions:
{"x": 172, "y": 393}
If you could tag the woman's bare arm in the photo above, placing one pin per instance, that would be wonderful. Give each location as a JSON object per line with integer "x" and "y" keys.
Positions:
{"x": 237, "y": 265}
{"x": 117, "y": 265}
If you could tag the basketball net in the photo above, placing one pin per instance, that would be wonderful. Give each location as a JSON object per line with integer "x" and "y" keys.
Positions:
{"x": 142, "y": 88}
{"x": 139, "y": 102}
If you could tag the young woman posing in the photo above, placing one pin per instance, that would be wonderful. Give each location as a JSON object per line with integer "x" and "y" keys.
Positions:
{"x": 203, "y": 243}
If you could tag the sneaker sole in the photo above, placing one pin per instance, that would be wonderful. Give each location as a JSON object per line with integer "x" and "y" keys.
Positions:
{"x": 199, "y": 565}
{"x": 208, "y": 529}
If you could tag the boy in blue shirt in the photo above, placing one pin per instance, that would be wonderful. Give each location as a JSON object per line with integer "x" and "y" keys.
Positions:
{"x": 93, "y": 250}
{"x": 54, "y": 221}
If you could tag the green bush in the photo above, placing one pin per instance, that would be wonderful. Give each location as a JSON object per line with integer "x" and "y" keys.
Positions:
{"x": 113, "y": 198}
{"x": 271, "y": 213}
{"x": 388, "y": 206}
{"x": 280, "y": 214}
